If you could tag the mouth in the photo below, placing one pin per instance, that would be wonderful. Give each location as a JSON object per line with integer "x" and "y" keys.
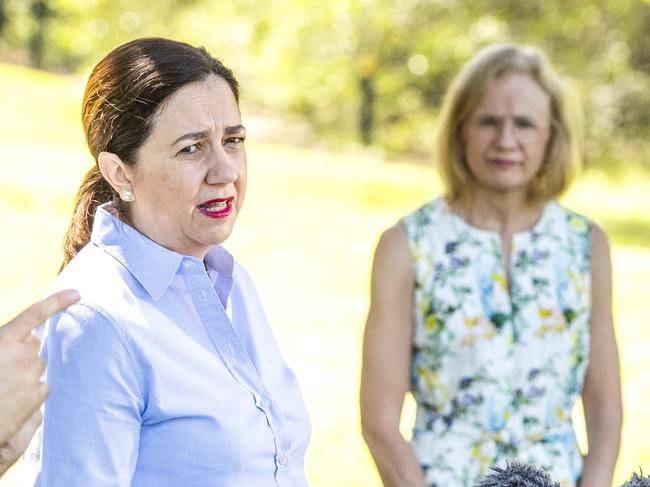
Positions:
{"x": 217, "y": 208}
{"x": 502, "y": 162}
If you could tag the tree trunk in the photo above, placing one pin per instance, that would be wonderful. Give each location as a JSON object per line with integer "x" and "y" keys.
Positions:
{"x": 40, "y": 13}
{"x": 367, "y": 119}
{"x": 3, "y": 16}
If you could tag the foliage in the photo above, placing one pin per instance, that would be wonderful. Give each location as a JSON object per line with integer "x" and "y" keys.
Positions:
{"x": 316, "y": 60}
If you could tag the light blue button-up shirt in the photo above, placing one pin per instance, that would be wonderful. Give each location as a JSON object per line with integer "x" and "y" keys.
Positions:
{"x": 166, "y": 373}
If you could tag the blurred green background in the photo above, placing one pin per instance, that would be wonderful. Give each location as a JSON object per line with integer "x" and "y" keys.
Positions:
{"x": 340, "y": 98}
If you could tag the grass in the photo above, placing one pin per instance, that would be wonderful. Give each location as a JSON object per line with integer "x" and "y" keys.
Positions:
{"x": 307, "y": 234}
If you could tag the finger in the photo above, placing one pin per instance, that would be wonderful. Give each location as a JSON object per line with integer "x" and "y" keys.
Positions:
{"x": 32, "y": 399}
{"x": 35, "y": 371}
{"x": 16, "y": 445}
{"x": 31, "y": 424}
{"x": 32, "y": 342}
{"x": 37, "y": 313}
{"x": 17, "y": 359}
{"x": 27, "y": 398}
{"x": 25, "y": 402}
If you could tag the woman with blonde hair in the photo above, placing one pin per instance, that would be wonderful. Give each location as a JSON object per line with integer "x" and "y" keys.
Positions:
{"x": 492, "y": 303}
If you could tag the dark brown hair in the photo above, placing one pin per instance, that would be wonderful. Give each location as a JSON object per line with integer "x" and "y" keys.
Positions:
{"x": 124, "y": 93}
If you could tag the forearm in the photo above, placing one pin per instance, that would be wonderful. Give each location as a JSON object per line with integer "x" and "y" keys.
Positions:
{"x": 395, "y": 459}
{"x": 601, "y": 393}
{"x": 604, "y": 442}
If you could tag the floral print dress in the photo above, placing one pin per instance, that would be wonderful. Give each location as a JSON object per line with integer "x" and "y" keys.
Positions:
{"x": 497, "y": 364}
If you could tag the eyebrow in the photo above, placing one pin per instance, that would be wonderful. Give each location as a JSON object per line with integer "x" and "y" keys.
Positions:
{"x": 233, "y": 129}
{"x": 524, "y": 116}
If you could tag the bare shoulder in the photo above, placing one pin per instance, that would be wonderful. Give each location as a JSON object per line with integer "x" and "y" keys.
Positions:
{"x": 600, "y": 252}
{"x": 393, "y": 245}
{"x": 392, "y": 262}
{"x": 601, "y": 279}
{"x": 599, "y": 241}
{"x": 388, "y": 328}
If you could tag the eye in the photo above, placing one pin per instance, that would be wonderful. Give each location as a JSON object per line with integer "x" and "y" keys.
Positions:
{"x": 488, "y": 121}
{"x": 524, "y": 123}
{"x": 235, "y": 140}
{"x": 190, "y": 149}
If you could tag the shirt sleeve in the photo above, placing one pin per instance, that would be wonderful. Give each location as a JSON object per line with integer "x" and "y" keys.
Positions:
{"x": 92, "y": 417}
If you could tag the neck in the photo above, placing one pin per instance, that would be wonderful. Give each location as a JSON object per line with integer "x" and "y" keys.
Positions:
{"x": 504, "y": 213}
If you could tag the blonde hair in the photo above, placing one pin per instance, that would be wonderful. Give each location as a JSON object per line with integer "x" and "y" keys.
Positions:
{"x": 564, "y": 149}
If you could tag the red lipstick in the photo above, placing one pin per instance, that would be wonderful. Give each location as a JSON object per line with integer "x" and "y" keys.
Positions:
{"x": 216, "y": 208}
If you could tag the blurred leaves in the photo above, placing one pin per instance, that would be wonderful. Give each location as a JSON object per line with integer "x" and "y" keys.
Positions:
{"x": 315, "y": 60}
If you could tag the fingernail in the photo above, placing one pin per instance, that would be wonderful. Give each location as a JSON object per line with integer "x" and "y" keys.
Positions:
{"x": 72, "y": 294}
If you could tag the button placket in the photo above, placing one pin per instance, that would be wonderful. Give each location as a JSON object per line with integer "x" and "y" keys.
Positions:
{"x": 227, "y": 344}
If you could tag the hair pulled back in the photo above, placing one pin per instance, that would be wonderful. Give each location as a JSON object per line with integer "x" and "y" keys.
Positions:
{"x": 124, "y": 92}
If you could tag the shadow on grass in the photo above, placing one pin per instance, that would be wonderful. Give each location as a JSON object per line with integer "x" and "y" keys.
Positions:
{"x": 628, "y": 231}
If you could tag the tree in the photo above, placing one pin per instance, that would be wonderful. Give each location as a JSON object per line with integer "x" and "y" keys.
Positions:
{"x": 41, "y": 14}
{"x": 372, "y": 71}
{"x": 3, "y": 16}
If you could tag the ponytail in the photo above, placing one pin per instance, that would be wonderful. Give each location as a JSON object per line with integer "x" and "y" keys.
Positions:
{"x": 94, "y": 191}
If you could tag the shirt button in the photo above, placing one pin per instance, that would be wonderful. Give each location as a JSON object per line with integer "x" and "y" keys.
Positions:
{"x": 282, "y": 459}
{"x": 262, "y": 402}
{"x": 188, "y": 265}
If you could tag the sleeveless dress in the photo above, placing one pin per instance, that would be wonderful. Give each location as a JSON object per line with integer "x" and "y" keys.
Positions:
{"x": 497, "y": 366}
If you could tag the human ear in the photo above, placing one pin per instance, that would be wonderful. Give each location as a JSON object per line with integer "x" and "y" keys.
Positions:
{"x": 117, "y": 174}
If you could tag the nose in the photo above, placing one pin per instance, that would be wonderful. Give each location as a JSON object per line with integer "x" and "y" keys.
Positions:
{"x": 223, "y": 168}
{"x": 507, "y": 137}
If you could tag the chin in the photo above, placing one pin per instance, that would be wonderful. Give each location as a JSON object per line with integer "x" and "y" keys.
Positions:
{"x": 505, "y": 182}
{"x": 503, "y": 188}
{"x": 219, "y": 237}
{"x": 215, "y": 232}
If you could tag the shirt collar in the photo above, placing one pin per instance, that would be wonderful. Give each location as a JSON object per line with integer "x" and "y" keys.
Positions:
{"x": 150, "y": 263}
{"x": 222, "y": 263}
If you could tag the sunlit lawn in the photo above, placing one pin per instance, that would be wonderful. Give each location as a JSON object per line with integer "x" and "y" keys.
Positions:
{"x": 307, "y": 234}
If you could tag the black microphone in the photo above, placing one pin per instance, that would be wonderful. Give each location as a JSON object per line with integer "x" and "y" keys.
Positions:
{"x": 517, "y": 474}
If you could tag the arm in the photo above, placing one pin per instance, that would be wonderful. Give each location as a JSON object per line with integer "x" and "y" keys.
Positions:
{"x": 91, "y": 421}
{"x": 21, "y": 392}
{"x": 386, "y": 362}
{"x": 601, "y": 394}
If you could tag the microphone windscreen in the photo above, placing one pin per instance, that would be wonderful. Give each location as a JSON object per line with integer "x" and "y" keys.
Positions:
{"x": 517, "y": 474}
{"x": 637, "y": 481}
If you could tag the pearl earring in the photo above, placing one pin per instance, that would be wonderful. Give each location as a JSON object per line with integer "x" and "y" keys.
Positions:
{"x": 127, "y": 195}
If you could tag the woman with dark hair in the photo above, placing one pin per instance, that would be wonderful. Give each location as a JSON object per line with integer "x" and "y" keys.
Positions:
{"x": 492, "y": 303}
{"x": 166, "y": 373}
